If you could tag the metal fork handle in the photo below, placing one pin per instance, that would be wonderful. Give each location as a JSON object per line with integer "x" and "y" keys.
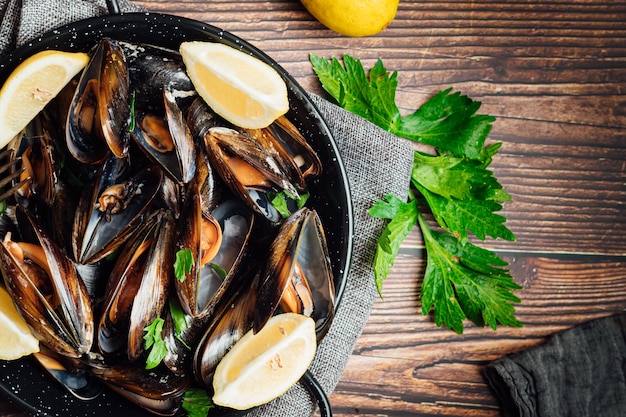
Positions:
{"x": 113, "y": 6}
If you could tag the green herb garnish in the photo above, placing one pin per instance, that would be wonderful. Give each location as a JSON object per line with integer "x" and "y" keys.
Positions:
{"x": 221, "y": 272}
{"x": 154, "y": 342}
{"x": 197, "y": 403}
{"x": 179, "y": 319}
{"x": 284, "y": 200}
{"x": 454, "y": 183}
{"x": 183, "y": 263}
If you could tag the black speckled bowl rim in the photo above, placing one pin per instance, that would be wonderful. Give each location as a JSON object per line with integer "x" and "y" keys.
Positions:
{"x": 22, "y": 381}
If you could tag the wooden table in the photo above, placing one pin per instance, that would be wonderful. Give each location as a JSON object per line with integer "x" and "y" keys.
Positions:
{"x": 554, "y": 75}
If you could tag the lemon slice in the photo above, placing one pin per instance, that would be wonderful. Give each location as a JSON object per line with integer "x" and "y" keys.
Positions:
{"x": 262, "y": 366}
{"x": 242, "y": 89}
{"x": 16, "y": 340}
{"x": 31, "y": 85}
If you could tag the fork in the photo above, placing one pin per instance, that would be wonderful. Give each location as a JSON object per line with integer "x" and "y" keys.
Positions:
{"x": 9, "y": 175}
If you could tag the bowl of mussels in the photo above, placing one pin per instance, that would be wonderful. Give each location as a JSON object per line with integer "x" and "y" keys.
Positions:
{"x": 109, "y": 225}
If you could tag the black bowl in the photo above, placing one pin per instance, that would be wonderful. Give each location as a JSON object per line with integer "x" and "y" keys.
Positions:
{"x": 23, "y": 381}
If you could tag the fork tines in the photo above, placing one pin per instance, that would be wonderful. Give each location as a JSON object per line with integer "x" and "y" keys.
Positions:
{"x": 9, "y": 174}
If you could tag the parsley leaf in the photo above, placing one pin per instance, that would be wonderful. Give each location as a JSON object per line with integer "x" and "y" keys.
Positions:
{"x": 221, "y": 272}
{"x": 472, "y": 282}
{"x": 153, "y": 340}
{"x": 197, "y": 403}
{"x": 183, "y": 263}
{"x": 449, "y": 122}
{"x": 286, "y": 204}
{"x": 402, "y": 218}
{"x": 454, "y": 183}
{"x": 372, "y": 98}
{"x": 179, "y": 319}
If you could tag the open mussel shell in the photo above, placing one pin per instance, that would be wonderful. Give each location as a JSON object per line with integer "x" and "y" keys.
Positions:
{"x": 111, "y": 210}
{"x": 251, "y": 170}
{"x": 298, "y": 275}
{"x": 214, "y": 268}
{"x": 48, "y": 292}
{"x": 40, "y": 161}
{"x": 287, "y": 136}
{"x": 163, "y": 134}
{"x": 205, "y": 289}
{"x": 97, "y": 121}
{"x": 138, "y": 288}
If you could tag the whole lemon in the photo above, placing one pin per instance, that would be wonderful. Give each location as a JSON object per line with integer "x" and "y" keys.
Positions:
{"x": 354, "y": 18}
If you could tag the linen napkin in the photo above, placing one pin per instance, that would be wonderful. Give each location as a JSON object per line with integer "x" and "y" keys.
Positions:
{"x": 579, "y": 372}
{"x": 367, "y": 151}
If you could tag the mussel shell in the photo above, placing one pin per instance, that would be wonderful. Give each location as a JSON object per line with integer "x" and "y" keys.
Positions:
{"x": 159, "y": 391}
{"x": 162, "y": 90}
{"x": 67, "y": 329}
{"x": 151, "y": 68}
{"x": 203, "y": 287}
{"x": 97, "y": 233}
{"x": 104, "y": 88}
{"x": 220, "y": 142}
{"x": 138, "y": 287}
{"x": 179, "y": 162}
{"x": 289, "y": 149}
{"x": 200, "y": 118}
{"x": 299, "y": 243}
{"x": 290, "y": 142}
{"x": 114, "y": 99}
{"x": 41, "y": 162}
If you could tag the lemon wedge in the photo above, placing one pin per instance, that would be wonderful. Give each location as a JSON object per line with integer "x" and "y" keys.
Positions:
{"x": 239, "y": 87}
{"x": 262, "y": 366}
{"x": 16, "y": 339}
{"x": 32, "y": 85}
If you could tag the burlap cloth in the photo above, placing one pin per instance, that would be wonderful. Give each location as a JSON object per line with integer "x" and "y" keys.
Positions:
{"x": 377, "y": 163}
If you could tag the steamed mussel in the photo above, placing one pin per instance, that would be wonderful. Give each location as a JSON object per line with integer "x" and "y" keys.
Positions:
{"x": 150, "y": 175}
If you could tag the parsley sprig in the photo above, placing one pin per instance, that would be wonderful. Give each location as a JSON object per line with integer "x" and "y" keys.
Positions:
{"x": 153, "y": 341}
{"x": 461, "y": 281}
{"x": 197, "y": 403}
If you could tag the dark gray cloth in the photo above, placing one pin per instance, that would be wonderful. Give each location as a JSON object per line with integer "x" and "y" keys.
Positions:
{"x": 580, "y": 372}
{"x": 377, "y": 163}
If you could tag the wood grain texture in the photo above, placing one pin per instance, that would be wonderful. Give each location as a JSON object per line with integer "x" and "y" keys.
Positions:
{"x": 554, "y": 75}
